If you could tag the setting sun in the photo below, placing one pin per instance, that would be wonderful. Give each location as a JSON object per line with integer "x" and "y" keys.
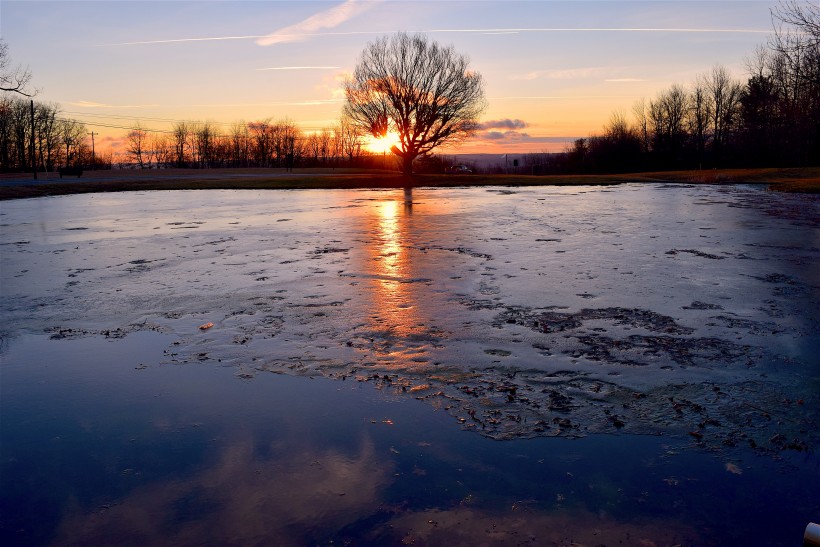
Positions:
{"x": 382, "y": 145}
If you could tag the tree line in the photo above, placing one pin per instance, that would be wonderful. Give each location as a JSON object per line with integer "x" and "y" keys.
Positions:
{"x": 428, "y": 95}
{"x": 60, "y": 141}
{"x": 772, "y": 119}
{"x": 265, "y": 143}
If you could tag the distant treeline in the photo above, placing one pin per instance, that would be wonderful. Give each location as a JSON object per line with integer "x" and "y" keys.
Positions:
{"x": 58, "y": 141}
{"x": 773, "y": 120}
{"x": 64, "y": 142}
{"x": 265, "y": 143}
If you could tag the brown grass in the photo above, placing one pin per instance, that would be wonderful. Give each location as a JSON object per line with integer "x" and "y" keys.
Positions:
{"x": 803, "y": 180}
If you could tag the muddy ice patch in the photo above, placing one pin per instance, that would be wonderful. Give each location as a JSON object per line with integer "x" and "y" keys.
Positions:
{"x": 625, "y": 337}
{"x": 541, "y": 314}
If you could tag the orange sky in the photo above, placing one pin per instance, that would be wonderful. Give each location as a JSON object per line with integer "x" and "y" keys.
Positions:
{"x": 554, "y": 70}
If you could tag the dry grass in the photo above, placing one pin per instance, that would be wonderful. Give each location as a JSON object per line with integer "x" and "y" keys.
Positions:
{"x": 803, "y": 180}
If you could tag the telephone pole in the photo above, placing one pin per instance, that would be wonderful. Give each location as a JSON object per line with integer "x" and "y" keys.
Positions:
{"x": 93, "y": 155}
{"x": 33, "y": 151}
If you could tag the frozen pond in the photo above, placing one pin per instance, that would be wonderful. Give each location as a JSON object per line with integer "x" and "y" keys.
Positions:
{"x": 647, "y": 353}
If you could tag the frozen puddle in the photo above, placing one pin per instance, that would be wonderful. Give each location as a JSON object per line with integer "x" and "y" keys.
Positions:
{"x": 677, "y": 310}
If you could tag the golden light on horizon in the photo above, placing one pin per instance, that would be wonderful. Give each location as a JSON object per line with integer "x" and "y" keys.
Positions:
{"x": 382, "y": 145}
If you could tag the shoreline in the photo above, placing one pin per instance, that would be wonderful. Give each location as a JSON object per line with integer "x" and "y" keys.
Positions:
{"x": 21, "y": 186}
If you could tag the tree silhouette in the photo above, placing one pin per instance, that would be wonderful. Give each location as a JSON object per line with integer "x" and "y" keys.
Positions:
{"x": 423, "y": 92}
{"x": 15, "y": 79}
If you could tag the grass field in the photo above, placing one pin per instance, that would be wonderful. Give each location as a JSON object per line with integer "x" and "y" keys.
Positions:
{"x": 802, "y": 180}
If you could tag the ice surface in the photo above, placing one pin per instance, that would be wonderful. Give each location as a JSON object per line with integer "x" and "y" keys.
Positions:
{"x": 687, "y": 310}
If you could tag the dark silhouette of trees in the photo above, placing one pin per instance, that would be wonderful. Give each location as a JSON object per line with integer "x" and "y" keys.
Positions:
{"x": 724, "y": 95}
{"x": 667, "y": 116}
{"x": 618, "y": 150}
{"x": 423, "y": 92}
{"x": 794, "y": 67}
{"x": 138, "y": 150}
{"x": 427, "y": 95}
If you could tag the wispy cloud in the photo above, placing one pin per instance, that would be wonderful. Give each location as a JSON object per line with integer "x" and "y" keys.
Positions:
{"x": 503, "y": 124}
{"x": 552, "y": 97}
{"x": 92, "y": 104}
{"x": 300, "y": 68}
{"x": 566, "y": 74}
{"x": 330, "y": 18}
{"x": 343, "y": 12}
{"x": 518, "y": 137}
{"x": 312, "y": 102}
{"x": 607, "y": 74}
{"x": 181, "y": 40}
{"x": 502, "y": 135}
{"x": 606, "y": 29}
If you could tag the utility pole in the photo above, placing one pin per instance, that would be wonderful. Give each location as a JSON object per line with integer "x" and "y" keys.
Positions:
{"x": 93, "y": 156}
{"x": 33, "y": 151}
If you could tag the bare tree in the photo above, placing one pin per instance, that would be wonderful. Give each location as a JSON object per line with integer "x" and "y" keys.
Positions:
{"x": 796, "y": 39}
{"x": 48, "y": 134}
{"x": 667, "y": 114}
{"x": 423, "y": 92}
{"x": 239, "y": 149}
{"x": 137, "y": 140}
{"x": 162, "y": 149}
{"x": 724, "y": 95}
{"x": 804, "y": 16}
{"x": 325, "y": 145}
{"x": 13, "y": 78}
{"x": 181, "y": 133}
{"x": 641, "y": 112}
{"x": 348, "y": 140}
{"x": 72, "y": 134}
{"x": 699, "y": 117}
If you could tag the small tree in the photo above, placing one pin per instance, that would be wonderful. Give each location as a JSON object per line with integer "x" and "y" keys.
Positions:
{"x": 137, "y": 140}
{"x": 423, "y": 92}
{"x": 72, "y": 134}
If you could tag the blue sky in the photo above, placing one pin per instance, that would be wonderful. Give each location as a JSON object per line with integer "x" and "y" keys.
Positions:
{"x": 554, "y": 70}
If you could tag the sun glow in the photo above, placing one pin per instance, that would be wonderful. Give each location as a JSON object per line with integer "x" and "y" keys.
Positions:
{"x": 382, "y": 145}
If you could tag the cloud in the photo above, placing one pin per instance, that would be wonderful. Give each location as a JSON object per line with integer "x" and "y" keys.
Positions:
{"x": 242, "y": 497}
{"x": 611, "y": 74}
{"x": 552, "y": 97}
{"x": 505, "y": 136}
{"x": 343, "y": 12}
{"x": 518, "y": 137}
{"x": 92, "y": 104}
{"x": 329, "y": 18}
{"x": 503, "y": 124}
{"x": 300, "y": 68}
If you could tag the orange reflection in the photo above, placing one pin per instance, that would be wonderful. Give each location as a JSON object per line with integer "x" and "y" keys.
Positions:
{"x": 394, "y": 298}
{"x": 401, "y": 304}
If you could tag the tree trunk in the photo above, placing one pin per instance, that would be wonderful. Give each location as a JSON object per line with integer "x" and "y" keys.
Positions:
{"x": 407, "y": 165}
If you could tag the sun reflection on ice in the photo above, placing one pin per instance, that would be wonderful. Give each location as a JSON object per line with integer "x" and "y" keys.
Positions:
{"x": 395, "y": 296}
{"x": 401, "y": 301}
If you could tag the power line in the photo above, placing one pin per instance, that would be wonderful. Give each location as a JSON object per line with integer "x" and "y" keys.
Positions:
{"x": 167, "y": 120}
{"x": 113, "y": 126}
{"x": 147, "y": 118}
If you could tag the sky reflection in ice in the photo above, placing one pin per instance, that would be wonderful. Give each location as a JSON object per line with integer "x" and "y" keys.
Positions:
{"x": 688, "y": 312}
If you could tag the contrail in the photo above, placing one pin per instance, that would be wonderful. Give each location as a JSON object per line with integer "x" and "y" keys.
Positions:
{"x": 299, "y": 68}
{"x": 498, "y": 31}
